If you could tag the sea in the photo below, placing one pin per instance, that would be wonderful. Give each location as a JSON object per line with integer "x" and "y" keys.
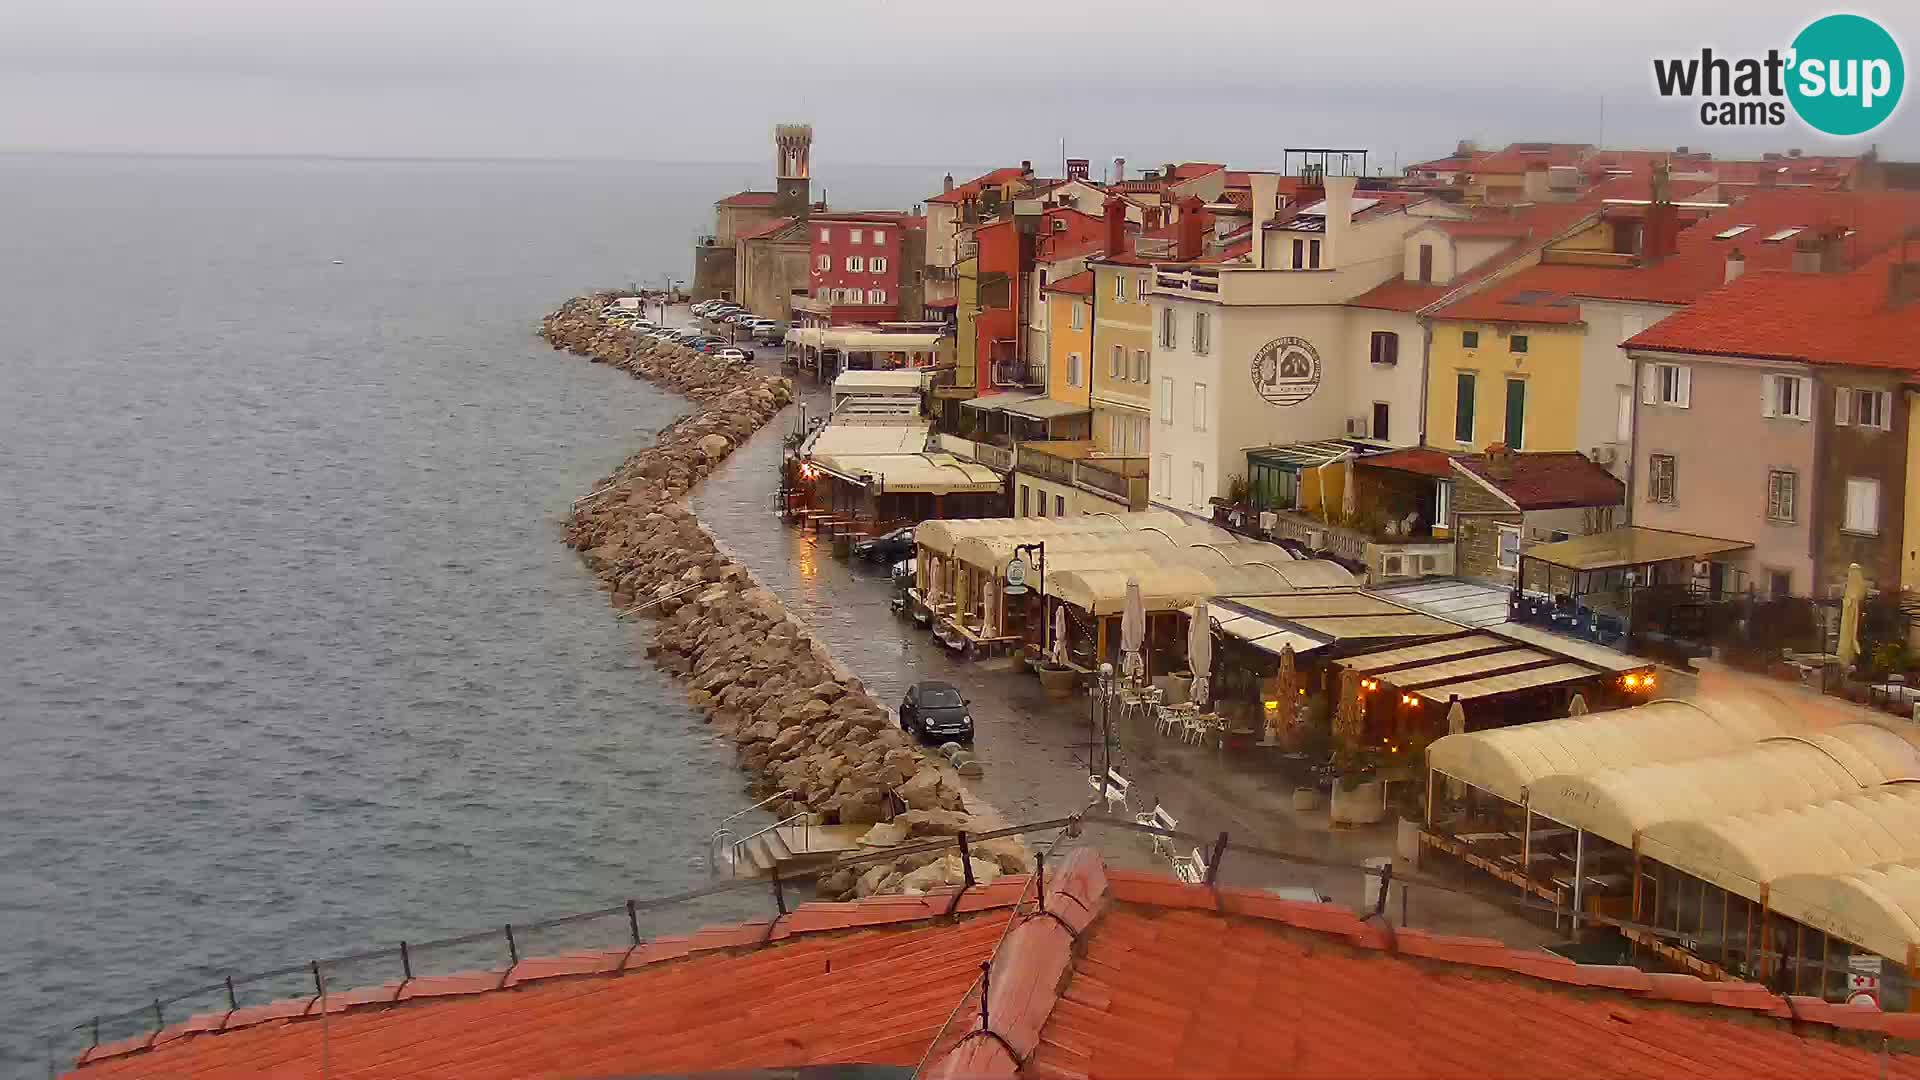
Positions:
{"x": 293, "y": 662}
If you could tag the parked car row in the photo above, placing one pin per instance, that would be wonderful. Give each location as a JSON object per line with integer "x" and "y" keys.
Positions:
{"x": 727, "y": 314}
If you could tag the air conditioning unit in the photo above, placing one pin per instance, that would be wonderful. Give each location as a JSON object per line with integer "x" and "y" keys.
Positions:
{"x": 1317, "y": 539}
{"x": 1429, "y": 563}
{"x": 1604, "y": 455}
{"x": 1393, "y": 566}
{"x": 1357, "y": 426}
{"x": 1268, "y": 519}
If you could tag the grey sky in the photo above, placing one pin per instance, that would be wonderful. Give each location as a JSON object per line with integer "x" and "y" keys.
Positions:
{"x": 902, "y": 80}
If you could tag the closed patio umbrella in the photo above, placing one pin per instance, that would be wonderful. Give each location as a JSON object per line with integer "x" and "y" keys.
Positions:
{"x": 1288, "y": 693}
{"x": 1850, "y": 603}
{"x": 1133, "y": 630}
{"x": 1346, "y": 720}
{"x": 1060, "y": 635}
{"x": 1200, "y": 652}
{"x": 1349, "y": 500}
{"x": 1577, "y": 708}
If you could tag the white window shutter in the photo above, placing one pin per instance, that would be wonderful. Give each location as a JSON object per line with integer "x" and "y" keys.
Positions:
{"x": 1767, "y": 396}
{"x": 1842, "y": 414}
{"x": 1886, "y": 409}
{"x": 1686, "y": 387}
{"x": 1650, "y": 384}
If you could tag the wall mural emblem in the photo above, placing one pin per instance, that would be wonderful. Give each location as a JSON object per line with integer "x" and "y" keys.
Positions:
{"x": 1286, "y": 371}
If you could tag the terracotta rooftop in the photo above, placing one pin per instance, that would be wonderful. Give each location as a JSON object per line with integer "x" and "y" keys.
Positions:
{"x": 870, "y": 981}
{"x": 750, "y": 198}
{"x": 1126, "y": 974}
{"x": 1527, "y": 226}
{"x": 1080, "y": 284}
{"x": 763, "y": 229}
{"x": 1421, "y": 460}
{"x": 996, "y": 178}
{"x": 1549, "y": 481}
{"x": 1548, "y": 293}
{"x": 1842, "y": 319}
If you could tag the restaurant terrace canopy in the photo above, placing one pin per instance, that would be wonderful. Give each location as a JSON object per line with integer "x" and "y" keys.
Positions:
{"x": 940, "y": 537}
{"x": 1629, "y": 546}
{"x": 1171, "y": 588}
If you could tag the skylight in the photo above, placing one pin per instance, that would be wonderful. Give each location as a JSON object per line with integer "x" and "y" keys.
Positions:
{"x": 1728, "y": 234}
{"x": 1785, "y": 234}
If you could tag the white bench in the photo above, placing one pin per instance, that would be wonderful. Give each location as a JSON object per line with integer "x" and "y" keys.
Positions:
{"x": 1158, "y": 818}
{"x": 1191, "y": 869}
{"x": 1113, "y": 788}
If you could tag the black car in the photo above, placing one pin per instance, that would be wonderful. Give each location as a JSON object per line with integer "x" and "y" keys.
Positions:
{"x": 888, "y": 548}
{"x": 935, "y": 711}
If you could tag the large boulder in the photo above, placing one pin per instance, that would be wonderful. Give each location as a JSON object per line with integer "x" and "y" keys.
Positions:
{"x": 922, "y": 790}
{"x": 934, "y": 822}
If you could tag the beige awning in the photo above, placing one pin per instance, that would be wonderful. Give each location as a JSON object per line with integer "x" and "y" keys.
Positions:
{"x": 1169, "y": 588}
{"x": 1423, "y": 653}
{"x": 1877, "y": 908}
{"x": 939, "y": 537}
{"x": 843, "y": 440}
{"x": 1263, "y": 632}
{"x": 1631, "y": 545}
{"x": 1507, "y": 683}
{"x": 935, "y": 474}
{"x": 1046, "y": 408}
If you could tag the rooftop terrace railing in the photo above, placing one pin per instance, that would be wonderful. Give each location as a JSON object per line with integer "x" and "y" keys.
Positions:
{"x": 620, "y": 924}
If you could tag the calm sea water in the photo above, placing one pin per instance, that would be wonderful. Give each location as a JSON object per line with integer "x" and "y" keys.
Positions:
{"x": 291, "y": 658}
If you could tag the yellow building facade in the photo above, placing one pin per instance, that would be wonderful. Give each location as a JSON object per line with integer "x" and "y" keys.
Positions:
{"x": 1120, "y": 370}
{"x": 1513, "y": 383}
{"x": 1069, "y": 339}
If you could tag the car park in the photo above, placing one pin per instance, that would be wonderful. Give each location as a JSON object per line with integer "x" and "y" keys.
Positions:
{"x": 935, "y": 711}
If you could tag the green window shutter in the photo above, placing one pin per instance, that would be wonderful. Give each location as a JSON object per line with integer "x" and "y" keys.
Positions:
{"x": 1463, "y": 408}
{"x": 1516, "y": 412}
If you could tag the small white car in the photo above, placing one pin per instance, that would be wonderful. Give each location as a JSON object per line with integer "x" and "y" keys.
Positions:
{"x": 731, "y": 354}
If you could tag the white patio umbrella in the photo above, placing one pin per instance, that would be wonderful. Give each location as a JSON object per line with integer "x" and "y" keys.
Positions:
{"x": 1349, "y": 500}
{"x": 1578, "y": 707}
{"x": 1456, "y": 725}
{"x": 1060, "y": 635}
{"x": 1850, "y": 604}
{"x": 1200, "y": 652}
{"x": 1133, "y": 630}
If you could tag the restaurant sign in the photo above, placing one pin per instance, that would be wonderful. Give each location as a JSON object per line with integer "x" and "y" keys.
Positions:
{"x": 1286, "y": 371}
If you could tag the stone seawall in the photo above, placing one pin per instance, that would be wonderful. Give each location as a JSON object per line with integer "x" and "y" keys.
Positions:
{"x": 802, "y": 722}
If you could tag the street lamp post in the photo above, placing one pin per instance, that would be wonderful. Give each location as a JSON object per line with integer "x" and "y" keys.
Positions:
{"x": 1039, "y": 549}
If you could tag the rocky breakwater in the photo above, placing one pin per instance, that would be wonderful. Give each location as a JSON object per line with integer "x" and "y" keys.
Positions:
{"x": 803, "y": 724}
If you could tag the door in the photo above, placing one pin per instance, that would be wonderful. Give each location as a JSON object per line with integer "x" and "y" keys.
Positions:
{"x": 1516, "y": 412}
{"x": 1380, "y": 420}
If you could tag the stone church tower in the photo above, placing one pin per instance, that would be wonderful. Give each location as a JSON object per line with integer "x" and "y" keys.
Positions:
{"x": 793, "y": 170}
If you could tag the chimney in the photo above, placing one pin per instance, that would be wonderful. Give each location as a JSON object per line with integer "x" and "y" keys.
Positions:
{"x": 1193, "y": 229}
{"x": 948, "y": 186}
{"x": 1266, "y": 193}
{"x": 1119, "y": 169}
{"x": 1660, "y": 236}
{"x": 1736, "y": 265}
{"x": 1077, "y": 168}
{"x": 1795, "y": 152}
{"x": 1026, "y": 167}
{"x": 1339, "y": 218}
{"x": 1116, "y": 222}
{"x": 1499, "y": 461}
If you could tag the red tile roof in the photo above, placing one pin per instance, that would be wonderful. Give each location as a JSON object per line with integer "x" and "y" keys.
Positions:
{"x": 1519, "y": 157}
{"x": 947, "y": 302}
{"x": 1080, "y": 284}
{"x": 1550, "y": 481}
{"x": 763, "y": 229}
{"x": 1699, "y": 265}
{"x": 1189, "y": 170}
{"x": 869, "y": 981}
{"x": 996, "y": 178}
{"x": 1140, "y": 976}
{"x": 1528, "y": 225}
{"x": 1126, "y": 974}
{"x": 1813, "y": 318}
{"x": 750, "y": 198}
{"x": 1399, "y": 294}
{"x": 1417, "y": 459}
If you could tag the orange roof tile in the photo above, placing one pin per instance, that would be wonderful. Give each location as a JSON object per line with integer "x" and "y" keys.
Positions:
{"x": 750, "y": 198}
{"x": 1126, "y": 974}
{"x": 1814, "y": 318}
{"x": 1080, "y": 284}
{"x": 962, "y": 192}
{"x": 763, "y": 229}
{"x": 1420, "y": 460}
{"x": 1550, "y": 480}
{"x": 1147, "y": 977}
{"x": 1399, "y": 294}
{"x": 1699, "y": 265}
{"x": 870, "y": 981}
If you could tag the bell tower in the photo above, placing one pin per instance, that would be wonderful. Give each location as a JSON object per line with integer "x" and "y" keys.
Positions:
{"x": 793, "y": 169}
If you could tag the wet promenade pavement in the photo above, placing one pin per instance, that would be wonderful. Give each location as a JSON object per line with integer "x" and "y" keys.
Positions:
{"x": 1033, "y": 748}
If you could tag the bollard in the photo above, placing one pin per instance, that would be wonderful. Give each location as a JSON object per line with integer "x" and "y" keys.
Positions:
{"x": 1213, "y": 864}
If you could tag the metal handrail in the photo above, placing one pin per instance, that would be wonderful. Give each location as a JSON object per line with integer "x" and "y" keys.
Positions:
{"x": 803, "y": 817}
{"x": 721, "y": 832}
{"x": 781, "y": 794}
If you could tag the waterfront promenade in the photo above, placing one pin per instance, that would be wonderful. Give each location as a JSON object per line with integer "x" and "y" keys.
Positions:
{"x": 1034, "y": 748}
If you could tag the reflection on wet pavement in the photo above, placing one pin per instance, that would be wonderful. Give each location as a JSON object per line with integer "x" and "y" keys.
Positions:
{"x": 1033, "y": 748}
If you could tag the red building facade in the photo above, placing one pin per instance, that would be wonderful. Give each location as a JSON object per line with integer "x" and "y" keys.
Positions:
{"x": 855, "y": 260}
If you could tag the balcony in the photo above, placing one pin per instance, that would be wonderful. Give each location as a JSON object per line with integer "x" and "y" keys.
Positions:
{"x": 1380, "y": 555}
{"x": 1011, "y": 374}
{"x": 1187, "y": 281}
{"x": 1069, "y": 462}
{"x": 997, "y": 458}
